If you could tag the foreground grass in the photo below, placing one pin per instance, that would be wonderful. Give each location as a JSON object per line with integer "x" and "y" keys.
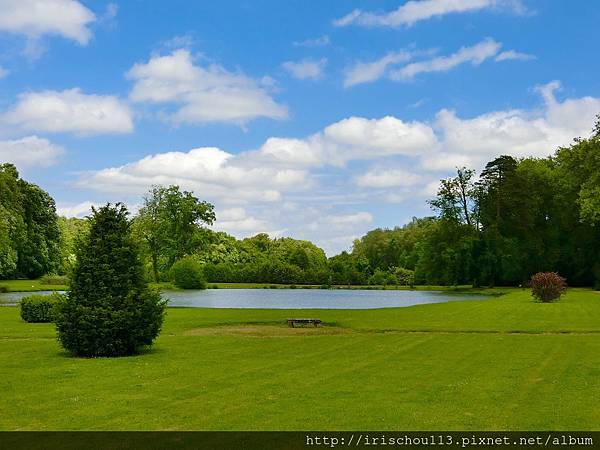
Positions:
{"x": 504, "y": 363}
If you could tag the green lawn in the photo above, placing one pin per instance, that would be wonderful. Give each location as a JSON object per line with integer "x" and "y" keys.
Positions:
{"x": 500, "y": 364}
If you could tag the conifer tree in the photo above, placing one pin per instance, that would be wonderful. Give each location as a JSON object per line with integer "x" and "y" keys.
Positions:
{"x": 110, "y": 309}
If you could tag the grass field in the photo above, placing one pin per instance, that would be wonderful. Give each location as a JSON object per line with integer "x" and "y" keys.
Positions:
{"x": 499, "y": 364}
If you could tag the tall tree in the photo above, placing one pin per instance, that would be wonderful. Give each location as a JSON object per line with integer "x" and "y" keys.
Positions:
{"x": 39, "y": 252}
{"x": 455, "y": 199}
{"x": 170, "y": 224}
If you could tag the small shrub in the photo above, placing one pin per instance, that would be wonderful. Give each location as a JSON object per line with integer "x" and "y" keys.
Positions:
{"x": 39, "y": 308}
{"x": 187, "y": 274}
{"x": 406, "y": 277}
{"x": 55, "y": 280}
{"x": 4, "y": 289}
{"x": 382, "y": 278}
{"x": 547, "y": 286}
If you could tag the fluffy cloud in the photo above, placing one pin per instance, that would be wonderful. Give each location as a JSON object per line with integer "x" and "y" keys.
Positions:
{"x": 306, "y": 68}
{"x": 380, "y": 137}
{"x": 30, "y": 151}
{"x": 3, "y": 72}
{"x": 201, "y": 94}
{"x": 238, "y": 222}
{"x": 415, "y": 11}
{"x": 299, "y": 152}
{"x": 209, "y": 170}
{"x": 69, "y": 111}
{"x": 355, "y": 138}
{"x": 516, "y": 132}
{"x": 35, "y": 18}
{"x": 325, "y": 183}
{"x": 280, "y": 169}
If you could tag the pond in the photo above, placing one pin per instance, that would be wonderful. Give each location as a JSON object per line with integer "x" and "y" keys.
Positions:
{"x": 294, "y": 298}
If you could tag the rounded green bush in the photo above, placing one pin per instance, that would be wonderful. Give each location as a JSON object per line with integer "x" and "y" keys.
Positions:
{"x": 187, "y": 274}
{"x": 39, "y": 308}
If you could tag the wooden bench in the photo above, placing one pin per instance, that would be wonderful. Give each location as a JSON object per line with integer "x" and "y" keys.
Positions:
{"x": 293, "y": 322}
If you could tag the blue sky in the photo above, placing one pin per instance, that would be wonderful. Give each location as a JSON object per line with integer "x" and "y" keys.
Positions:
{"x": 317, "y": 120}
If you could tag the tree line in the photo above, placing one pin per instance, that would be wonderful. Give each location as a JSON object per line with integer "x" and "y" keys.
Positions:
{"x": 515, "y": 218}
{"x": 29, "y": 230}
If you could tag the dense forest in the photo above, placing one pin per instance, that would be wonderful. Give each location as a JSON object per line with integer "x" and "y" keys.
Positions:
{"x": 515, "y": 218}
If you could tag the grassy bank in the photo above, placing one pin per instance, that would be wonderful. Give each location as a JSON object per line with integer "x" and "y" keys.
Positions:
{"x": 30, "y": 286}
{"x": 504, "y": 363}
{"x": 37, "y": 285}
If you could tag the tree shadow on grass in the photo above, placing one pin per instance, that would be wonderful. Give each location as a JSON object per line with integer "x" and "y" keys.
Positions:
{"x": 144, "y": 351}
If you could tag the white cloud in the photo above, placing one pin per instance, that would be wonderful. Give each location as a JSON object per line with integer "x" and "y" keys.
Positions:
{"x": 201, "y": 94}
{"x": 332, "y": 231}
{"x": 415, "y": 11}
{"x": 444, "y": 161}
{"x": 354, "y": 138}
{"x": 514, "y": 55}
{"x": 516, "y": 132}
{"x": 78, "y": 210}
{"x": 301, "y": 152}
{"x": 306, "y": 68}
{"x": 348, "y": 220}
{"x": 321, "y": 41}
{"x": 238, "y": 222}
{"x": 385, "y": 178}
{"x": 475, "y": 55}
{"x": 30, "y": 151}
{"x": 209, "y": 170}
{"x": 35, "y": 18}
{"x": 69, "y": 111}
{"x": 365, "y": 72}
{"x": 321, "y": 185}
{"x": 279, "y": 170}
{"x": 390, "y": 65}
{"x": 3, "y": 72}
{"x": 360, "y": 138}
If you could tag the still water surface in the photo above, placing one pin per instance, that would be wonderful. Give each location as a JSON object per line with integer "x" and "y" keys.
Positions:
{"x": 293, "y": 298}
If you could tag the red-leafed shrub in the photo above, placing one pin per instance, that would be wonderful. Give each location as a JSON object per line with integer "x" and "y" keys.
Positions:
{"x": 547, "y": 286}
